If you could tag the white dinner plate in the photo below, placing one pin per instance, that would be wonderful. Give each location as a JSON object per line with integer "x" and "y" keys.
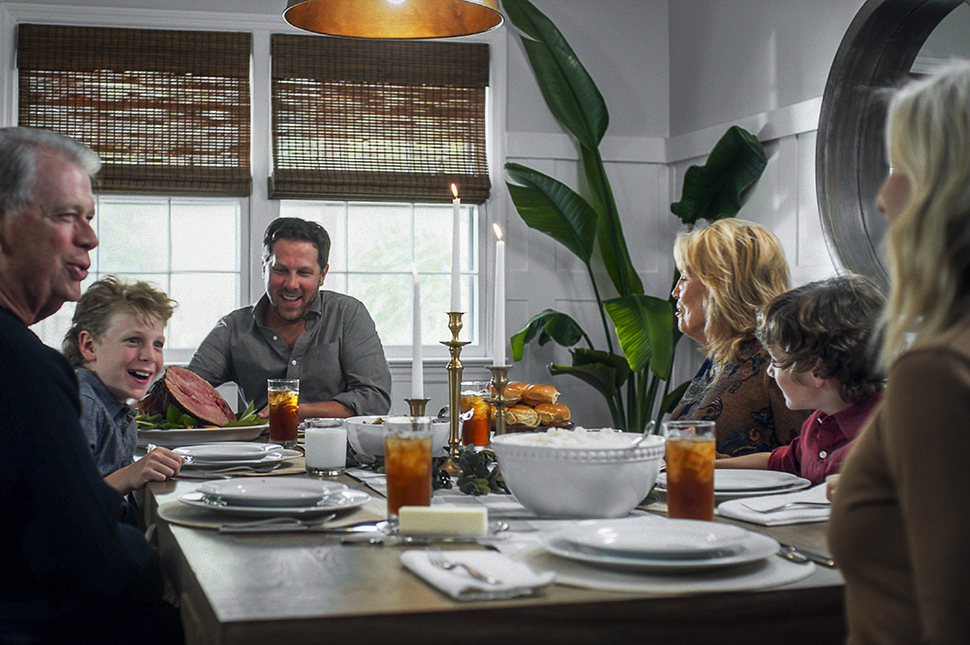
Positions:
{"x": 270, "y": 458}
{"x": 730, "y": 483}
{"x": 755, "y": 547}
{"x": 270, "y": 491}
{"x": 338, "y": 498}
{"x": 228, "y": 451}
{"x": 193, "y": 436}
{"x": 656, "y": 538}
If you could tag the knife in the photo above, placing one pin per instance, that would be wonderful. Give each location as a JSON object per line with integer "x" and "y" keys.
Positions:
{"x": 817, "y": 558}
{"x": 297, "y": 525}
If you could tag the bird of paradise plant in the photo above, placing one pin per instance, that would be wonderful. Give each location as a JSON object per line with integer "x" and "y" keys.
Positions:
{"x": 644, "y": 325}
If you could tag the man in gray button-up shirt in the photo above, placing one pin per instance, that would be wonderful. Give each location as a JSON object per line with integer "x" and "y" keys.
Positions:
{"x": 295, "y": 330}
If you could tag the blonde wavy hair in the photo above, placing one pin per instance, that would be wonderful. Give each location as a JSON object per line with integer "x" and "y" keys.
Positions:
{"x": 109, "y": 296}
{"x": 742, "y": 266}
{"x": 928, "y": 141}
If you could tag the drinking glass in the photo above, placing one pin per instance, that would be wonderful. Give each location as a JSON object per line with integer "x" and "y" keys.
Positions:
{"x": 326, "y": 447}
{"x": 407, "y": 462}
{"x": 476, "y": 414}
{"x": 690, "y": 469}
{"x": 284, "y": 405}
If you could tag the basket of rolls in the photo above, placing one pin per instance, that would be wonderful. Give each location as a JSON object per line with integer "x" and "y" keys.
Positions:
{"x": 535, "y": 406}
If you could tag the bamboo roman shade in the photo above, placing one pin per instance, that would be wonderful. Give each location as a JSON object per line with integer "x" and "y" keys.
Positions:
{"x": 378, "y": 120}
{"x": 167, "y": 111}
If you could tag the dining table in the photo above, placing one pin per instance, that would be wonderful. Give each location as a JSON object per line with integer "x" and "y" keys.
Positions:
{"x": 311, "y": 587}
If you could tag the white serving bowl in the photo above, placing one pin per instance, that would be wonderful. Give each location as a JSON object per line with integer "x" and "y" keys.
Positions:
{"x": 367, "y": 437}
{"x": 563, "y": 474}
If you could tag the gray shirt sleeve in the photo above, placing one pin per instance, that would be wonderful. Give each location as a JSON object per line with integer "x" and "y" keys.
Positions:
{"x": 211, "y": 361}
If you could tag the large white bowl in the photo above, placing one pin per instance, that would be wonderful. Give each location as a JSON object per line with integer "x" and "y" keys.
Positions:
{"x": 367, "y": 437}
{"x": 555, "y": 479}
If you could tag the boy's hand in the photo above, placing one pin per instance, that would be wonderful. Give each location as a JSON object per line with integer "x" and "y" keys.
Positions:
{"x": 157, "y": 466}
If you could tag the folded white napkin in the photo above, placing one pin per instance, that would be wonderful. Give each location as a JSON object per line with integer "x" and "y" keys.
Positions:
{"x": 770, "y": 510}
{"x": 515, "y": 578}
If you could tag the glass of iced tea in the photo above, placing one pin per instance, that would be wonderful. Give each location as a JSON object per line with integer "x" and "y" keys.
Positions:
{"x": 284, "y": 405}
{"x": 407, "y": 462}
{"x": 476, "y": 414}
{"x": 690, "y": 469}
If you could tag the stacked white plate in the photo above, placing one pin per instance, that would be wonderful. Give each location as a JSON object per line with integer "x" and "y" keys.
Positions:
{"x": 227, "y": 454}
{"x": 730, "y": 483}
{"x": 192, "y": 436}
{"x": 659, "y": 544}
{"x": 263, "y": 496}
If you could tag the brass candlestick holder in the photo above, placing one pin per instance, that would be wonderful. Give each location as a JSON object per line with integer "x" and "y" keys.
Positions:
{"x": 454, "y": 392}
{"x": 499, "y": 381}
{"x": 417, "y": 406}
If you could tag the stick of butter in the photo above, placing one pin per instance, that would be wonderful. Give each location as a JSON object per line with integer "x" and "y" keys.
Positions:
{"x": 455, "y": 521}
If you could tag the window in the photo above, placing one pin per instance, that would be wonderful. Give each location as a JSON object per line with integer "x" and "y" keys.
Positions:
{"x": 378, "y": 121}
{"x": 167, "y": 111}
{"x": 373, "y": 249}
{"x": 189, "y": 248}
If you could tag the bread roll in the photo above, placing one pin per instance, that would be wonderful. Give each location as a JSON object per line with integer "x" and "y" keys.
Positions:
{"x": 537, "y": 394}
{"x": 522, "y": 415}
{"x": 552, "y": 414}
{"x": 513, "y": 390}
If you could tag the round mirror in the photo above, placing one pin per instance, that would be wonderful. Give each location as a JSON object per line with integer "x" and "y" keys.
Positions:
{"x": 887, "y": 42}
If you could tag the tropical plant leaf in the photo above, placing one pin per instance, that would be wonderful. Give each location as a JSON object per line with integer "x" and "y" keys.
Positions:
{"x": 567, "y": 87}
{"x": 602, "y": 377}
{"x": 644, "y": 327}
{"x": 609, "y": 233}
{"x": 550, "y": 325}
{"x": 549, "y": 206}
{"x": 589, "y": 356}
{"x": 715, "y": 190}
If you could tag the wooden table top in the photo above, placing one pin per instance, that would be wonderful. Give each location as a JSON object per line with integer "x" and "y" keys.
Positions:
{"x": 305, "y": 587}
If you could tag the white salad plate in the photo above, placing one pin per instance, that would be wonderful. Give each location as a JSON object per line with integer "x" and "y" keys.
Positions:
{"x": 275, "y": 496}
{"x": 652, "y": 537}
{"x": 228, "y": 451}
{"x": 753, "y": 547}
{"x": 192, "y": 436}
{"x": 730, "y": 483}
{"x": 267, "y": 459}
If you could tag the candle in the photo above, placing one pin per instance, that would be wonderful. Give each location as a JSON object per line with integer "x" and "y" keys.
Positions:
{"x": 417, "y": 366}
{"x": 499, "y": 297}
{"x": 455, "y": 250}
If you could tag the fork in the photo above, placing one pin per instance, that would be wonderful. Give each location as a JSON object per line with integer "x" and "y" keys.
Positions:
{"x": 437, "y": 558}
{"x": 781, "y": 507}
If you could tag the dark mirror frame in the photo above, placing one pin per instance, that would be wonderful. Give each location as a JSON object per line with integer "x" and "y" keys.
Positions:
{"x": 877, "y": 52}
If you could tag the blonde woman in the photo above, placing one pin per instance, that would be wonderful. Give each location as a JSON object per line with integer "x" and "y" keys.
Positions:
{"x": 901, "y": 512}
{"x": 728, "y": 271}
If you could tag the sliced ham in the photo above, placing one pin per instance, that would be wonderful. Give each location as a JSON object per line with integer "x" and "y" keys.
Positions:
{"x": 189, "y": 393}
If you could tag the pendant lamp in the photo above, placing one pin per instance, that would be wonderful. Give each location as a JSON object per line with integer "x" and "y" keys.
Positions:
{"x": 394, "y": 19}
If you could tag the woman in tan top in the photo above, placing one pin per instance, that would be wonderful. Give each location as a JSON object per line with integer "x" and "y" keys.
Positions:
{"x": 728, "y": 271}
{"x": 900, "y": 524}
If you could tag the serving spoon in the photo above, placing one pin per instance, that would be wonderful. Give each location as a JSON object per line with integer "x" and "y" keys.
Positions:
{"x": 646, "y": 433}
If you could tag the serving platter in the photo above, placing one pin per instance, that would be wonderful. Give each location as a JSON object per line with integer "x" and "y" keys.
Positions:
{"x": 192, "y": 436}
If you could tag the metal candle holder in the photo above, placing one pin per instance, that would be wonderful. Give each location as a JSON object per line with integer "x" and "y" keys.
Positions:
{"x": 417, "y": 406}
{"x": 499, "y": 381}
{"x": 454, "y": 392}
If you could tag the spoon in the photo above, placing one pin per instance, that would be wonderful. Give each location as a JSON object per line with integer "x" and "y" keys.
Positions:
{"x": 646, "y": 433}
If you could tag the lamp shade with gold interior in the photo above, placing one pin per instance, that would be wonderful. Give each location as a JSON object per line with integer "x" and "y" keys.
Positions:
{"x": 394, "y": 19}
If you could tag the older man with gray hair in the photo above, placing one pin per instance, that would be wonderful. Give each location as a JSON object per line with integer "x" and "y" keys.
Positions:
{"x": 70, "y": 571}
